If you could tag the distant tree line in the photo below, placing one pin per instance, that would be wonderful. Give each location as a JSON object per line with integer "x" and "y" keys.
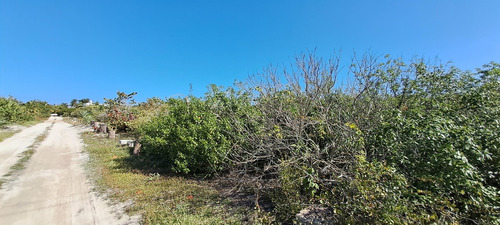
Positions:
{"x": 14, "y": 111}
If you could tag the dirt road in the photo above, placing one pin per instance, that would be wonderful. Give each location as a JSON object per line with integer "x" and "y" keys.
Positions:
{"x": 52, "y": 189}
{"x": 11, "y": 147}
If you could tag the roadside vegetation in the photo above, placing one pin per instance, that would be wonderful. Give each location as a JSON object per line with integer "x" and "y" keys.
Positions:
{"x": 393, "y": 141}
{"x": 406, "y": 142}
{"x": 14, "y": 112}
{"x": 4, "y": 134}
{"x": 159, "y": 197}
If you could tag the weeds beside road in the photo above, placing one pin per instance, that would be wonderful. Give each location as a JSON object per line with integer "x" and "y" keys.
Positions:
{"x": 158, "y": 197}
{"x": 7, "y": 134}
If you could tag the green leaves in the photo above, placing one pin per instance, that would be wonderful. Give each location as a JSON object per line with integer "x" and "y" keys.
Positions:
{"x": 409, "y": 143}
{"x": 118, "y": 110}
{"x": 11, "y": 110}
{"x": 195, "y": 135}
{"x": 14, "y": 111}
{"x": 442, "y": 142}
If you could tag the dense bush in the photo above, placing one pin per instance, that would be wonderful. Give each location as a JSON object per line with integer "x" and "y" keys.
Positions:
{"x": 406, "y": 142}
{"x": 14, "y": 111}
{"x": 88, "y": 113}
{"x": 63, "y": 110}
{"x": 445, "y": 140}
{"x": 144, "y": 112}
{"x": 194, "y": 135}
{"x": 187, "y": 138}
{"x": 38, "y": 109}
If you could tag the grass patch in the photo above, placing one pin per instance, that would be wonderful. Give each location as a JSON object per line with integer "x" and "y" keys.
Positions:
{"x": 41, "y": 137}
{"x": 7, "y": 134}
{"x": 21, "y": 163}
{"x": 33, "y": 122}
{"x": 160, "y": 199}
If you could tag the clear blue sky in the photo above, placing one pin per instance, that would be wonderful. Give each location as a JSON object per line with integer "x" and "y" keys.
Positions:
{"x": 60, "y": 50}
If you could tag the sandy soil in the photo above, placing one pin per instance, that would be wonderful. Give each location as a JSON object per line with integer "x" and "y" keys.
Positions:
{"x": 11, "y": 147}
{"x": 53, "y": 188}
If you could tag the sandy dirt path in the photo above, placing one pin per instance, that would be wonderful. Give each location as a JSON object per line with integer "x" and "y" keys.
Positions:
{"x": 11, "y": 147}
{"x": 53, "y": 188}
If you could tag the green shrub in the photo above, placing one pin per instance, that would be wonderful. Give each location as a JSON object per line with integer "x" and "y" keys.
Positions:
{"x": 194, "y": 135}
{"x": 288, "y": 198}
{"x": 145, "y": 111}
{"x": 189, "y": 138}
{"x": 89, "y": 113}
{"x": 12, "y": 111}
{"x": 445, "y": 141}
{"x": 63, "y": 110}
{"x": 408, "y": 143}
{"x": 375, "y": 195}
{"x": 38, "y": 109}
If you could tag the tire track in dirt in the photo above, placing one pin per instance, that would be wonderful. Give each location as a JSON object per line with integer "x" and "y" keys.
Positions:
{"x": 53, "y": 188}
{"x": 13, "y": 146}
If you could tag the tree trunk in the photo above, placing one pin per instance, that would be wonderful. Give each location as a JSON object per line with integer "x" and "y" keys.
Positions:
{"x": 103, "y": 128}
{"x": 137, "y": 148}
{"x": 96, "y": 127}
{"x": 112, "y": 134}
